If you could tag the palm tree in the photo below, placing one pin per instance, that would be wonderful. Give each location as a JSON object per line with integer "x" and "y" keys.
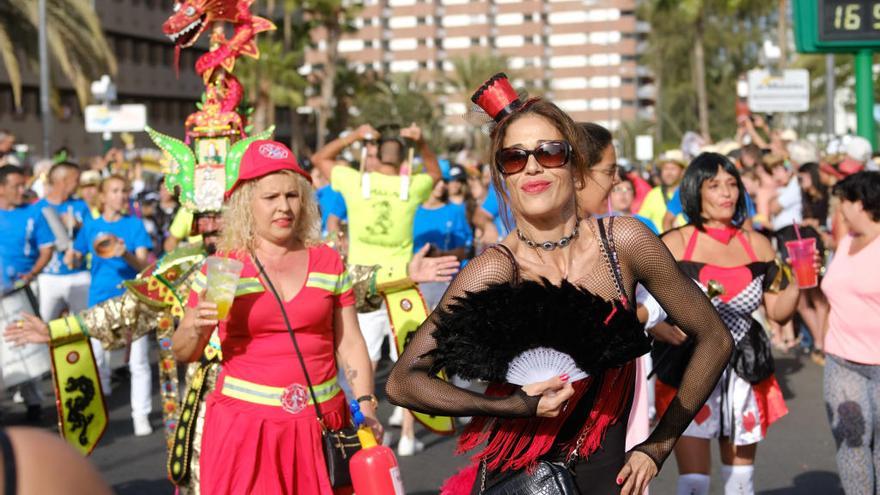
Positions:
{"x": 467, "y": 74}
{"x": 399, "y": 99}
{"x": 692, "y": 15}
{"x": 76, "y": 42}
{"x": 692, "y": 23}
{"x": 272, "y": 80}
{"x": 335, "y": 17}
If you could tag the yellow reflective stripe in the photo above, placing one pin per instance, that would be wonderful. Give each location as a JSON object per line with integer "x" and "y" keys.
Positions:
{"x": 345, "y": 283}
{"x": 249, "y": 286}
{"x": 271, "y": 396}
{"x": 200, "y": 282}
{"x": 320, "y": 284}
{"x": 236, "y": 392}
{"x": 333, "y": 283}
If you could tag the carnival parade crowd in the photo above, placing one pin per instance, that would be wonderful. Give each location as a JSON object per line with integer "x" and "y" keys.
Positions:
{"x": 668, "y": 284}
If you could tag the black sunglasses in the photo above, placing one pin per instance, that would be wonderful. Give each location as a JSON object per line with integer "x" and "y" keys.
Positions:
{"x": 550, "y": 154}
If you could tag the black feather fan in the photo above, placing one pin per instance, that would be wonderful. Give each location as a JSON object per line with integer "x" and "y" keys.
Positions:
{"x": 479, "y": 334}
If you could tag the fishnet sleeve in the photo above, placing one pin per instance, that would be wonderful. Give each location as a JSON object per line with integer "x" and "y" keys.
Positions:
{"x": 412, "y": 386}
{"x": 645, "y": 259}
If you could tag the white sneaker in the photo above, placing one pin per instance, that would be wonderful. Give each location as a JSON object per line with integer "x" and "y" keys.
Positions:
{"x": 142, "y": 426}
{"x": 408, "y": 446}
{"x": 396, "y": 418}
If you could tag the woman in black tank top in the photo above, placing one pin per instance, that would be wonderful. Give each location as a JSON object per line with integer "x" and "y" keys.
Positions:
{"x": 564, "y": 283}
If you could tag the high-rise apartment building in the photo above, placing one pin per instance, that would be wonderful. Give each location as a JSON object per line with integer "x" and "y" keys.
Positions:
{"x": 580, "y": 53}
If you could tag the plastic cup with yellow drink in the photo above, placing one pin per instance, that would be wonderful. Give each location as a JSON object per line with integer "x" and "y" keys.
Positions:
{"x": 223, "y": 274}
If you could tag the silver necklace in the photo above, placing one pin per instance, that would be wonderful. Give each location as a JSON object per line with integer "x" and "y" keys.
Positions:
{"x": 549, "y": 245}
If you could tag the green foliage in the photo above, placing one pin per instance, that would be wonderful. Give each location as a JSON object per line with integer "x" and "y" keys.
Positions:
{"x": 400, "y": 100}
{"x": 76, "y": 42}
{"x": 349, "y": 89}
{"x": 332, "y": 14}
{"x": 468, "y": 73}
{"x": 731, "y": 32}
{"x": 276, "y": 67}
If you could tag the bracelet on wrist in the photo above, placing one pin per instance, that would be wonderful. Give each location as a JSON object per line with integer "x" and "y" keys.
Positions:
{"x": 369, "y": 398}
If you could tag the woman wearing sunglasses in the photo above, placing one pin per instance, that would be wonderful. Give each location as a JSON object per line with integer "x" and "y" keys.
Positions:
{"x": 570, "y": 280}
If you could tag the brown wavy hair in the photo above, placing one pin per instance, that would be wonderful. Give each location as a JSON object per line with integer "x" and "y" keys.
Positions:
{"x": 581, "y": 143}
{"x": 238, "y": 220}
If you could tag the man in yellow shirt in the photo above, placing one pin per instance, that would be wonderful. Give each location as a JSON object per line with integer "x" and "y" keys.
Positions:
{"x": 382, "y": 201}
{"x": 671, "y": 167}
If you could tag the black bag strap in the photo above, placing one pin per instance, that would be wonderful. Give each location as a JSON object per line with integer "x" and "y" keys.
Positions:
{"x": 9, "y": 470}
{"x": 509, "y": 254}
{"x": 292, "y": 337}
{"x": 611, "y": 254}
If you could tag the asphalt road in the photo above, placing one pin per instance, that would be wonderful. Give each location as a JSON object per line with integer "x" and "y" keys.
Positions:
{"x": 796, "y": 458}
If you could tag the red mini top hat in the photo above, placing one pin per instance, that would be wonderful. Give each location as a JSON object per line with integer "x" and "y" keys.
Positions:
{"x": 263, "y": 158}
{"x": 497, "y": 97}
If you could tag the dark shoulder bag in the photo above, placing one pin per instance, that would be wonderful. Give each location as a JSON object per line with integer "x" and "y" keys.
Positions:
{"x": 753, "y": 356}
{"x": 548, "y": 478}
{"x": 338, "y": 445}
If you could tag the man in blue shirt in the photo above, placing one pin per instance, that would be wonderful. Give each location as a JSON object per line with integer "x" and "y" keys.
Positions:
{"x": 62, "y": 286}
{"x": 331, "y": 203}
{"x": 26, "y": 243}
{"x": 490, "y": 218}
{"x": 25, "y": 249}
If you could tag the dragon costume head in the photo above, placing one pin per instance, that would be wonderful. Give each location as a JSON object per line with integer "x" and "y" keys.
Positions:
{"x": 203, "y": 166}
{"x": 192, "y": 17}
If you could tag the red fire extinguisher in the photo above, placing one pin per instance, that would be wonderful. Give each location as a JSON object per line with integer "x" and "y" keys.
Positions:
{"x": 374, "y": 469}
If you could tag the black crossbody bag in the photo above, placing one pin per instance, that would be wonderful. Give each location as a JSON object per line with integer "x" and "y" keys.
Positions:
{"x": 338, "y": 445}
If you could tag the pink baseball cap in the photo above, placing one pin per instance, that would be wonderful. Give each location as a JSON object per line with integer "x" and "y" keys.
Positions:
{"x": 850, "y": 166}
{"x": 263, "y": 158}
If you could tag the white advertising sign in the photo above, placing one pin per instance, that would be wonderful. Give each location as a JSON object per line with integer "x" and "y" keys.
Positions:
{"x": 644, "y": 148}
{"x": 116, "y": 118}
{"x": 786, "y": 92}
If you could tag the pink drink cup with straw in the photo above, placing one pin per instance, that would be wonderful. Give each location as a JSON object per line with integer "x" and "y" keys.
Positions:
{"x": 802, "y": 252}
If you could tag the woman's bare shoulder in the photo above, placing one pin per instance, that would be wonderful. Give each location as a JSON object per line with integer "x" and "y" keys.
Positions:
{"x": 761, "y": 245}
{"x": 676, "y": 239}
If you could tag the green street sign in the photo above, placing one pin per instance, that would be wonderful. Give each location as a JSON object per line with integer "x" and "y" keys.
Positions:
{"x": 841, "y": 26}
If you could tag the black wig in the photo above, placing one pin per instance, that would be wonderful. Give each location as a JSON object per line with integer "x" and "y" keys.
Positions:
{"x": 702, "y": 168}
{"x": 862, "y": 187}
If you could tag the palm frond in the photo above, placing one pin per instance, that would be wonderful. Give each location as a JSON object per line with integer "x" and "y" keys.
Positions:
{"x": 76, "y": 41}
{"x": 10, "y": 61}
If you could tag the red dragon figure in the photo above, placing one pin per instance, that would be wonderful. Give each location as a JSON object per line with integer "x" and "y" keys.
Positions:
{"x": 192, "y": 17}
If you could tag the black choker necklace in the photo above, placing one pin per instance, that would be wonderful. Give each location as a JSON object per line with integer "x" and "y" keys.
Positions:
{"x": 549, "y": 245}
